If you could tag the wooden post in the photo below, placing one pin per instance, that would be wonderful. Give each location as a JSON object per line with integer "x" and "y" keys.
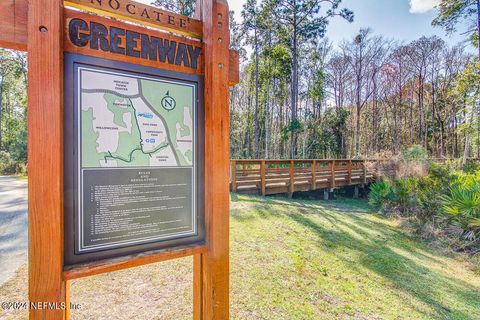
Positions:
{"x": 45, "y": 158}
{"x": 291, "y": 187}
{"x": 364, "y": 173}
{"x": 198, "y": 286}
{"x": 349, "y": 180}
{"x": 234, "y": 176}
{"x": 332, "y": 174}
{"x": 262, "y": 177}
{"x": 213, "y": 302}
{"x": 314, "y": 175}
{"x": 326, "y": 194}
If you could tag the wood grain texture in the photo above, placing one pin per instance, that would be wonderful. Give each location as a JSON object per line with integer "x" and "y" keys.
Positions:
{"x": 103, "y": 266}
{"x": 215, "y": 263}
{"x": 197, "y": 286}
{"x": 143, "y": 14}
{"x": 13, "y": 24}
{"x": 45, "y": 157}
{"x": 70, "y": 47}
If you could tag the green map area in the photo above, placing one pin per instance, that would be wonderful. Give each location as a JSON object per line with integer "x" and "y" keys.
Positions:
{"x": 183, "y": 96}
{"x": 136, "y": 129}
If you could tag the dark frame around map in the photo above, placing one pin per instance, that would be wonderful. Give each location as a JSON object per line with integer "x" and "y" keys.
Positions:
{"x": 103, "y": 178}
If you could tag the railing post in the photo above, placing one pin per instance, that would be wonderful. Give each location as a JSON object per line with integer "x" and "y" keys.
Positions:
{"x": 332, "y": 170}
{"x": 349, "y": 172}
{"x": 234, "y": 176}
{"x": 314, "y": 174}
{"x": 292, "y": 179}
{"x": 364, "y": 173}
{"x": 262, "y": 177}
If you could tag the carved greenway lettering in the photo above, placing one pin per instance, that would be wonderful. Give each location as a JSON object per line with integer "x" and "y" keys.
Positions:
{"x": 133, "y": 44}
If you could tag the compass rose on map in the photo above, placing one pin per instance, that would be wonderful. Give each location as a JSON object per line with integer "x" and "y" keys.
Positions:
{"x": 168, "y": 103}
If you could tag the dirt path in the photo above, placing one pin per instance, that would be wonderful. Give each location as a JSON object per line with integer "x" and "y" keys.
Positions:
{"x": 13, "y": 226}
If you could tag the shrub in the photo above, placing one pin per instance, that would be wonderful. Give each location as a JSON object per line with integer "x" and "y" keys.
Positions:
{"x": 428, "y": 196}
{"x": 7, "y": 165}
{"x": 415, "y": 153}
{"x": 22, "y": 169}
{"x": 404, "y": 194}
{"x": 381, "y": 194}
{"x": 431, "y": 188}
{"x": 444, "y": 199}
{"x": 441, "y": 174}
{"x": 471, "y": 166}
{"x": 461, "y": 207}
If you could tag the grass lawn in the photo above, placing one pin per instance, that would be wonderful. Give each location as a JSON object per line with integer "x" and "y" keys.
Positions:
{"x": 294, "y": 259}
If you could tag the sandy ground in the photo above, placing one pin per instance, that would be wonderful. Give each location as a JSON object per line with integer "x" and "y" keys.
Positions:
{"x": 13, "y": 226}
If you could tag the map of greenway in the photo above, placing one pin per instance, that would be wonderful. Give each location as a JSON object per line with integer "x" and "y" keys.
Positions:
{"x": 135, "y": 122}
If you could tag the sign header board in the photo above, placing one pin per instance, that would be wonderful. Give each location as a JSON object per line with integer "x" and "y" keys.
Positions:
{"x": 105, "y": 38}
{"x": 131, "y": 43}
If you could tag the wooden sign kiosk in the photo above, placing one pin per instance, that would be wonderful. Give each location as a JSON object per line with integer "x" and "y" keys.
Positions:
{"x": 42, "y": 28}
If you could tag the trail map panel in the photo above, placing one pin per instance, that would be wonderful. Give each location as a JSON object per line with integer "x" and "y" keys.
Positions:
{"x": 135, "y": 158}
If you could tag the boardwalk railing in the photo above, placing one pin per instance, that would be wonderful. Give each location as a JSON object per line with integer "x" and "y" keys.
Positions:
{"x": 288, "y": 176}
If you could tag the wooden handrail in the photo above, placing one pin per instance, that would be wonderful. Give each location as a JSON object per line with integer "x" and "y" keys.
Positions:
{"x": 264, "y": 176}
{"x": 269, "y": 176}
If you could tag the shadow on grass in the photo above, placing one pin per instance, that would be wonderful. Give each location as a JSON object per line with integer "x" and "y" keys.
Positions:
{"x": 420, "y": 282}
{"x": 378, "y": 248}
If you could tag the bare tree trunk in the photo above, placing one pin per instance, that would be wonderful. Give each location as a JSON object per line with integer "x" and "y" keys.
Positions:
{"x": 282, "y": 143}
{"x": 466, "y": 150}
{"x": 267, "y": 120}
{"x": 478, "y": 132}
{"x": 434, "y": 138}
{"x": 411, "y": 121}
{"x": 357, "y": 132}
{"x": 455, "y": 149}
{"x": 468, "y": 139}
{"x": 478, "y": 27}
{"x": 248, "y": 141}
{"x": 257, "y": 126}
{"x": 442, "y": 139}
{"x": 293, "y": 135}
{"x": 421, "y": 119}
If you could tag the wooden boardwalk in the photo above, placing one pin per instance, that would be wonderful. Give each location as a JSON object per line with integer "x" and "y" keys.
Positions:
{"x": 288, "y": 176}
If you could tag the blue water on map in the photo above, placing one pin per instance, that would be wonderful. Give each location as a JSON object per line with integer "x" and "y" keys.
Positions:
{"x": 145, "y": 115}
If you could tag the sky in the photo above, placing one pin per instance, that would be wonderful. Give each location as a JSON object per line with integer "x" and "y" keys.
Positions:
{"x": 402, "y": 20}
